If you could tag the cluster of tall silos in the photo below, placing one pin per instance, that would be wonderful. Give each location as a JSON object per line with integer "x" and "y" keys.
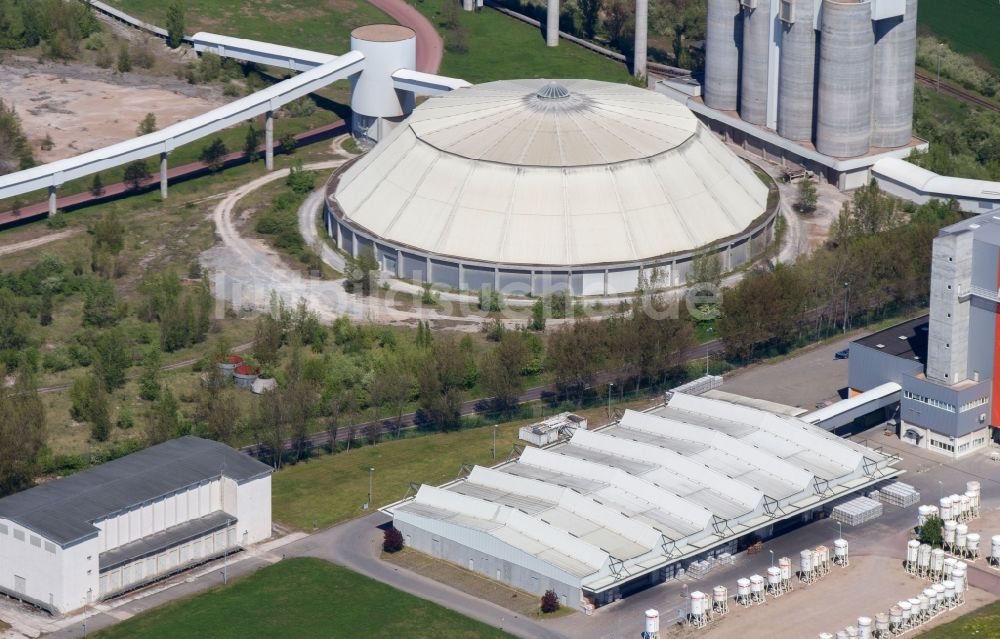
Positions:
{"x": 839, "y": 73}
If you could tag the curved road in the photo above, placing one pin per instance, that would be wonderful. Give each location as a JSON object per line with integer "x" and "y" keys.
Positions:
{"x": 429, "y": 45}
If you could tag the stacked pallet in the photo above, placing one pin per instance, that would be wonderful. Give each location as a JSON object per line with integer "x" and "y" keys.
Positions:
{"x": 899, "y": 494}
{"x": 857, "y": 511}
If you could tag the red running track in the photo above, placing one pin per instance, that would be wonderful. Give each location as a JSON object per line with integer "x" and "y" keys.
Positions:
{"x": 177, "y": 173}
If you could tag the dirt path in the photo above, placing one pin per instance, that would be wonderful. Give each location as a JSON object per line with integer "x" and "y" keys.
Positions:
{"x": 429, "y": 45}
{"x": 38, "y": 241}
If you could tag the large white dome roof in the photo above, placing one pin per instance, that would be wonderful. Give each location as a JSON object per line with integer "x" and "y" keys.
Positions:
{"x": 530, "y": 172}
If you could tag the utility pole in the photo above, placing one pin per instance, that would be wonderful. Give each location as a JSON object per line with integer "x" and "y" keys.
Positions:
{"x": 371, "y": 475}
{"x": 495, "y": 441}
{"x": 847, "y": 298}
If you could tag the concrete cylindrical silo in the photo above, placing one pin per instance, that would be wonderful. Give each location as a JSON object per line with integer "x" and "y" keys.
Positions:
{"x": 797, "y": 80}
{"x": 844, "y": 107}
{"x": 754, "y": 67}
{"x": 376, "y": 105}
{"x": 723, "y": 40}
{"x": 895, "y": 58}
{"x": 641, "y": 38}
{"x": 552, "y": 24}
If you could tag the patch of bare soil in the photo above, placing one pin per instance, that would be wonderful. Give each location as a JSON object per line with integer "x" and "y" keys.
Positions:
{"x": 81, "y": 107}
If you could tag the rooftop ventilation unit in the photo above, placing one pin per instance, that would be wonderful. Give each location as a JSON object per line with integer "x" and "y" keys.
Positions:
{"x": 787, "y": 11}
{"x": 880, "y": 346}
{"x": 749, "y": 4}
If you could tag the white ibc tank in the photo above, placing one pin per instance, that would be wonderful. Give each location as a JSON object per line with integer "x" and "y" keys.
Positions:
{"x": 652, "y": 622}
{"x": 949, "y": 589}
{"x": 840, "y": 549}
{"x": 950, "y": 526}
{"x": 923, "y": 512}
{"x": 946, "y": 508}
{"x": 972, "y": 542}
{"x": 995, "y": 546}
{"x": 924, "y": 556}
{"x": 743, "y": 587}
{"x": 806, "y": 561}
{"x": 773, "y": 576}
{"x": 719, "y": 594}
{"x": 785, "y": 564}
{"x": 961, "y": 535}
{"x": 882, "y": 623}
{"x": 756, "y": 583}
{"x": 937, "y": 560}
{"x": 697, "y": 603}
{"x": 907, "y": 608}
{"x": 895, "y": 615}
{"x": 912, "y": 547}
{"x": 865, "y": 627}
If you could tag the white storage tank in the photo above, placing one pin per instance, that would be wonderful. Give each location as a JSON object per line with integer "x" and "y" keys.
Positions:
{"x": 931, "y": 596}
{"x": 840, "y": 549}
{"x": 907, "y": 609}
{"x": 961, "y": 535}
{"x": 972, "y": 543}
{"x": 697, "y": 603}
{"x": 774, "y": 576}
{"x": 914, "y": 606}
{"x": 376, "y": 104}
{"x": 719, "y": 595}
{"x": 949, "y": 590}
{"x": 652, "y": 622}
{"x": 912, "y": 548}
{"x": 973, "y": 496}
{"x": 743, "y": 587}
{"x": 973, "y": 485}
{"x": 966, "y": 505}
{"x": 882, "y": 624}
{"x": 895, "y": 615}
{"x": 995, "y": 547}
{"x": 949, "y": 566}
{"x": 865, "y": 627}
{"x": 923, "y": 512}
{"x": 948, "y": 534}
{"x": 945, "y": 508}
{"x": 937, "y": 560}
{"x": 785, "y": 564}
{"x": 806, "y": 561}
{"x": 939, "y": 589}
{"x": 756, "y": 584}
{"x": 924, "y": 555}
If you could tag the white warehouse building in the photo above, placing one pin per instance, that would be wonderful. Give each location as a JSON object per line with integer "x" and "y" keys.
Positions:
{"x": 620, "y": 508}
{"x": 113, "y": 528}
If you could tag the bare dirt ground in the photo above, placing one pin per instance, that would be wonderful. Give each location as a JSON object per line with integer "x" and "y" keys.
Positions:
{"x": 82, "y": 107}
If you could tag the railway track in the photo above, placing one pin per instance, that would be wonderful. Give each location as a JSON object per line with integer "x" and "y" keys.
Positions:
{"x": 955, "y": 92}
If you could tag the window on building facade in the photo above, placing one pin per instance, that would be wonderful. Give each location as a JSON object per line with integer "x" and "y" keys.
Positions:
{"x": 942, "y": 445}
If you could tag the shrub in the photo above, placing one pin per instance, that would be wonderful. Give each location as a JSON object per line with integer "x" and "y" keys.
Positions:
{"x": 930, "y": 532}
{"x": 392, "y": 540}
{"x": 550, "y": 601}
{"x": 124, "y": 64}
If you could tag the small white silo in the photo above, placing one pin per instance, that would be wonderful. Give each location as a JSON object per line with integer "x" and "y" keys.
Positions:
{"x": 961, "y": 538}
{"x": 923, "y": 559}
{"x": 882, "y": 624}
{"x": 377, "y": 105}
{"x": 972, "y": 541}
{"x": 995, "y": 550}
{"x": 914, "y": 610}
{"x": 945, "y": 508}
{"x": 907, "y": 609}
{"x": 652, "y": 624}
{"x": 949, "y": 592}
{"x": 948, "y": 532}
{"x": 923, "y": 512}
{"x": 912, "y": 549}
{"x": 937, "y": 563}
{"x": 757, "y": 589}
{"x": 806, "y": 566}
{"x": 720, "y": 600}
{"x": 895, "y": 618}
{"x": 865, "y": 627}
{"x": 841, "y": 553}
{"x": 931, "y": 595}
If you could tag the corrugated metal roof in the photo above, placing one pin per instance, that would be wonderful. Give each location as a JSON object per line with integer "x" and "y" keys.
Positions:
{"x": 933, "y": 184}
{"x": 64, "y": 510}
{"x": 609, "y": 174}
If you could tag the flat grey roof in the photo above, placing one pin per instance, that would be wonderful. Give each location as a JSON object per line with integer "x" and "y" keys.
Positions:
{"x": 158, "y": 542}
{"x": 907, "y": 340}
{"x": 63, "y": 510}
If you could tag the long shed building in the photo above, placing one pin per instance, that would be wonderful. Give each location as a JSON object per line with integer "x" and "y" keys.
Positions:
{"x": 620, "y": 508}
{"x": 113, "y": 528}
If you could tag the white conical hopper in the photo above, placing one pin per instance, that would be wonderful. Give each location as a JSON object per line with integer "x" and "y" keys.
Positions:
{"x": 949, "y": 590}
{"x": 906, "y": 607}
{"x": 931, "y": 596}
{"x": 945, "y": 507}
{"x": 806, "y": 561}
{"x": 840, "y": 548}
{"x": 972, "y": 543}
{"x": 961, "y": 535}
{"x": 950, "y": 526}
{"x": 652, "y": 622}
{"x": 924, "y": 556}
{"x": 937, "y": 560}
{"x": 756, "y": 583}
{"x": 911, "y": 551}
{"x": 719, "y": 594}
{"x": 895, "y": 615}
{"x": 697, "y": 603}
{"x": 743, "y": 587}
{"x": 773, "y": 576}
{"x": 785, "y": 564}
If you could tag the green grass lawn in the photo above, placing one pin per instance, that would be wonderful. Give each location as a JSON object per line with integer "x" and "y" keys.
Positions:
{"x": 302, "y": 598}
{"x": 982, "y": 623}
{"x": 332, "y": 488}
{"x": 969, "y": 26}
{"x": 319, "y": 25}
{"x": 502, "y": 48}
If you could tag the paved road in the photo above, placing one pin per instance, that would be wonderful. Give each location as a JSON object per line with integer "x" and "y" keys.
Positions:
{"x": 356, "y": 544}
{"x": 429, "y": 45}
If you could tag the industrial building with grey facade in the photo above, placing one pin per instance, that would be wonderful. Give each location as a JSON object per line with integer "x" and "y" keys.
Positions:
{"x": 113, "y": 528}
{"x": 824, "y": 84}
{"x": 601, "y": 514}
{"x": 944, "y": 365}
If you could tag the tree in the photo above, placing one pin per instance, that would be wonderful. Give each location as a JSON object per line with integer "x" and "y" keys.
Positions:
{"x": 442, "y": 379}
{"x": 808, "y": 197}
{"x": 149, "y": 380}
{"x": 45, "y": 309}
{"x": 100, "y": 304}
{"x": 590, "y": 14}
{"x": 164, "y": 419}
{"x": 299, "y": 398}
{"x": 537, "y": 322}
{"x": 392, "y": 387}
{"x": 490, "y": 301}
{"x": 112, "y": 357}
{"x": 706, "y": 268}
{"x": 502, "y": 369}
{"x": 136, "y": 173}
{"x": 22, "y": 432}
{"x": 147, "y": 125}
{"x": 287, "y": 142}
{"x": 217, "y": 413}
{"x": 300, "y": 180}
{"x": 362, "y": 272}
{"x": 124, "y": 63}
{"x": 930, "y": 532}
{"x": 100, "y": 417}
{"x": 268, "y": 337}
{"x": 869, "y": 212}
{"x": 550, "y": 601}
{"x": 97, "y": 186}
{"x": 392, "y": 540}
{"x": 213, "y": 156}
{"x": 175, "y": 24}
{"x": 251, "y": 142}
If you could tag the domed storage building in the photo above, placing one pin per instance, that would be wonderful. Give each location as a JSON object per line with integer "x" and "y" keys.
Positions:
{"x": 530, "y": 186}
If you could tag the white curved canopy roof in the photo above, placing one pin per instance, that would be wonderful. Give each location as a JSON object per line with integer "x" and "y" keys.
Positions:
{"x": 532, "y": 172}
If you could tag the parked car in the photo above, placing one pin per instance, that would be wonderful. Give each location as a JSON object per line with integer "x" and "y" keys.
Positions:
{"x": 844, "y": 354}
